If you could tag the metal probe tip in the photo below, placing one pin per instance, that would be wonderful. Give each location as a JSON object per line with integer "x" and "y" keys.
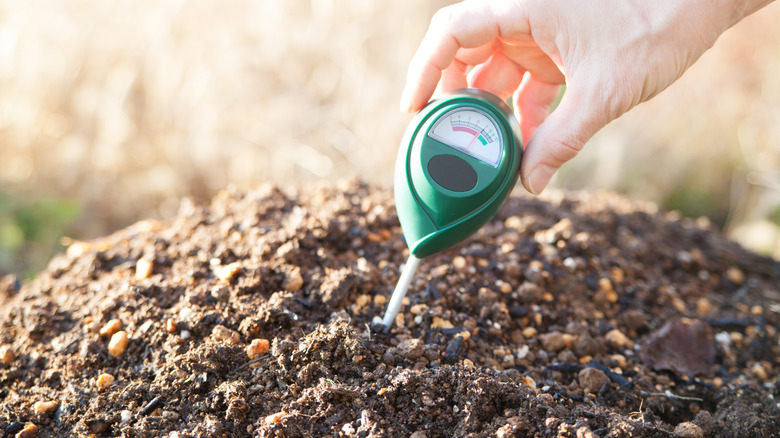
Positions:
{"x": 400, "y": 292}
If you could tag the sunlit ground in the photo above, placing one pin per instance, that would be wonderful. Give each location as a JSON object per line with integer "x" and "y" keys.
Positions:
{"x": 111, "y": 111}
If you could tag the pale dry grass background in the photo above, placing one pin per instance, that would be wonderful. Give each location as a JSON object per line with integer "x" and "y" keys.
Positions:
{"x": 126, "y": 106}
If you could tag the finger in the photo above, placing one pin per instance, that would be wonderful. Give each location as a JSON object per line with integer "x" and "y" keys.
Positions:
{"x": 499, "y": 75}
{"x": 468, "y": 24}
{"x": 559, "y": 138}
{"x": 454, "y": 76}
{"x": 532, "y": 102}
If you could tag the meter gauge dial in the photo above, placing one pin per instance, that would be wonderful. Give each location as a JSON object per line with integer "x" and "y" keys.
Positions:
{"x": 471, "y": 131}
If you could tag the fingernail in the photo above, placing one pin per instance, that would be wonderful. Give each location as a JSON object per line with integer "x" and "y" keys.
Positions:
{"x": 539, "y": 178}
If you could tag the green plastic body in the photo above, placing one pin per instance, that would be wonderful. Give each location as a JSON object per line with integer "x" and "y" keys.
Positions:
{"x": 434, "y": 218}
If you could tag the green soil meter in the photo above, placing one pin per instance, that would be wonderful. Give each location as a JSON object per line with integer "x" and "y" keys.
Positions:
{"x": 458, "y": 162}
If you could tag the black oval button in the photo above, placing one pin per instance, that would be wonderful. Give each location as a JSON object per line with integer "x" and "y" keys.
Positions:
{"x": 452, "y": 173}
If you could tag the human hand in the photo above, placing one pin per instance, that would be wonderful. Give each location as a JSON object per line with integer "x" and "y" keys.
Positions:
{"x": 612, "y": 55}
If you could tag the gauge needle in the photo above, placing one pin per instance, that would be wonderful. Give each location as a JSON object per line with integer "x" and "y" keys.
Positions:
{"x": 474, "y": 138}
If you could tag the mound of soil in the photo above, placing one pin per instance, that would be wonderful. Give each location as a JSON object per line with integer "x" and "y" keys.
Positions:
{"x": 582, "y": 315}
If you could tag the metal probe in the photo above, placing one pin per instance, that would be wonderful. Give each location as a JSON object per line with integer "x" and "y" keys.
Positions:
{"x": 400, "y": 291}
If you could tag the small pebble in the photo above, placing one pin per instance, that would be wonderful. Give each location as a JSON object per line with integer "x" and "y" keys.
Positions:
{"x": 568, "y": 340}
{"x": 504, "y": 287}
{"x": 591, "y": 379}
{"x": 418, "y": 434}
{"x": 515, "y": 222}
{"x": 441, "y": 323}
{"x": 684, "y": 257}
{"x": 617, "y": 274}
{"x": 499, "y": 352}
{"x": 418, "y": 309}
{"x": 286, "y": 249}
{"x": 362, "y": 301}
{"x": 348, "y": 429}
{"x": 552, "y": 342}
{"x": 380, "y": 300}
{"x": 703, "y": 306}
{"x": 617, "y": 339}
{"x": 530, "y": 293}
{"x": 528, "y": 381}
{"x": 44, "y": 407}
{"x": 90, "y": 324}
{"x": 411, "y": 349}
{"x": 522, "y": 352}
{"x": 758, "y": 370}
{"x": 125, "y": 416}
{"x": 275, "y": 418}
{"x": 29, "y": 431}
{"x": 76, "y": 249}
{"x": 439, "y": 271}
{"x": 7, "y": 356}
{"x": 687, "y": 429}
{"x": 735, "y": 275}
{"x": 185, "y": 314}
{"x": 170, "y": 325}
{"x": 257, "y": 348}
{"x": 585, "y": 432}
{"x": 459, "y": 262}
{"x": 294, "y": 281}
{"x": 118, "y": 343}
{"x": 143, "y": 268}
{"x": 111, "y": 327}
{"x": 227, "y": 272}
{"x": 224, "y": 334}
{"x": 104, "y": 380}
{"x": 185, "y": 334}
{"x": 679, "y": 305}
{"x": 620, "y": 360}
{"x": 723, "y": 338}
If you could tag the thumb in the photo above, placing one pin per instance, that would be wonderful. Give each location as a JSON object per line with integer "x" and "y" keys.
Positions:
{"x": 559, "y": 138}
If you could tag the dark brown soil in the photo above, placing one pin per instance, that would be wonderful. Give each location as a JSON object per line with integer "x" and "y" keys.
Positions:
{"x": 579, "y": 316}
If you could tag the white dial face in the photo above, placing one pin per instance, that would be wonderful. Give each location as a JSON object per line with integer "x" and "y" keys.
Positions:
{"x": 471, "y": 131}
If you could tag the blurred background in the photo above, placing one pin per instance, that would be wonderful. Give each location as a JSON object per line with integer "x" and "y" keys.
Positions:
{"x": 111, "y": 111}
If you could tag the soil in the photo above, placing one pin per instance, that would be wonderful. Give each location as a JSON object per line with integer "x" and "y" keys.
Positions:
{"x": 576, "y": 315}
